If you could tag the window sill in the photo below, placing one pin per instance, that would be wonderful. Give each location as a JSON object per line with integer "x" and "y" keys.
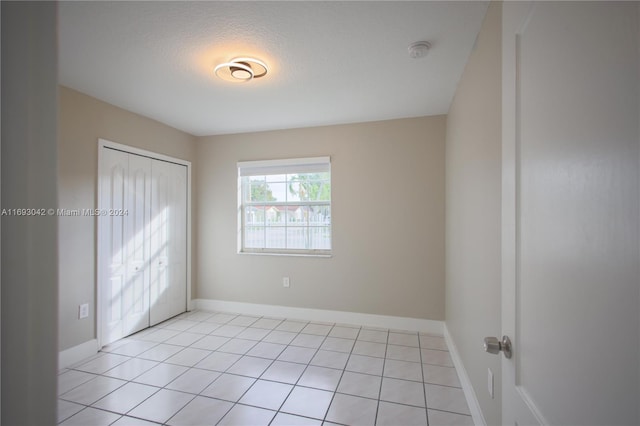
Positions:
{"x": 251, "y": 253}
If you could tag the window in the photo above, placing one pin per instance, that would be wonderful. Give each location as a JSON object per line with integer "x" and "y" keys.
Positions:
{"x": 285, "y": 206}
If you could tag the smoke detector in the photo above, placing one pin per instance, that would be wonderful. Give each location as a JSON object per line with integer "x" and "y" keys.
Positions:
{"x": 419, "y": 49}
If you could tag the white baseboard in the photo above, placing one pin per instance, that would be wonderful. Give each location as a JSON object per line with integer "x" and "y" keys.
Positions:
{"x": 77, "y": 353}
{"x": 469, "y": 393}
{"x": 370, "y": 320}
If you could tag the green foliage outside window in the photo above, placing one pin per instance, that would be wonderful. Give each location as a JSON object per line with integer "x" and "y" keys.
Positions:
{"x": 310, "y": 187}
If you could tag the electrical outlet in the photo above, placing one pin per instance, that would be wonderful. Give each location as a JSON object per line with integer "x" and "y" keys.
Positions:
{"x": 83, "y": 311}
{"x": 285, "y": 282}
{"x": 490, "y": 382}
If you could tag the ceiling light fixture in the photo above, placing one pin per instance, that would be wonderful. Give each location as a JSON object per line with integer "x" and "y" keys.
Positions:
{"x": 241, "y": 69}
{"x": 419, "y": 49}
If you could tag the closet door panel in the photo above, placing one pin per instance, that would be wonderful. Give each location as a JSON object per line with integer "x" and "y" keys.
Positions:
{"x": 168, "y": 260}
{"x": 137, "y": 246}
{"x": 113, "y": 182}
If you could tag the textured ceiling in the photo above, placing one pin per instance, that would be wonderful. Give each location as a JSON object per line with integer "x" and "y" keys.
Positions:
{"x": 330, "y": 62}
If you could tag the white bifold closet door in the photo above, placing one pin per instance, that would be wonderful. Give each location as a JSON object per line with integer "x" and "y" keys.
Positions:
{"x": 143, "y": 240}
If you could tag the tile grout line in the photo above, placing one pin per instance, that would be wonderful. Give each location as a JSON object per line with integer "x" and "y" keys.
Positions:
{"x": 235, "y": 403}
{"x": 341, "y": 374}
{"x": 424, "y": 388}
{"x": 256, "y": 379}
{"x": 382, "y": 378}
{"x": 307, "y": 367}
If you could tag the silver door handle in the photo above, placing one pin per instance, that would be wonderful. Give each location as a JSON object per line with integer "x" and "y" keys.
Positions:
{"x": 492, "y": 345}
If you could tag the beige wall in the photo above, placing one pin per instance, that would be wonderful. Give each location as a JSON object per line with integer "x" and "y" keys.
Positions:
{"x": 473, "y": 163}
{"x": 387, "y": 210}
{"x": 82, "y": 120}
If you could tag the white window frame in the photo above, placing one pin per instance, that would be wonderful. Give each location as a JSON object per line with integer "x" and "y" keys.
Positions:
{"x": 279, "y": 167}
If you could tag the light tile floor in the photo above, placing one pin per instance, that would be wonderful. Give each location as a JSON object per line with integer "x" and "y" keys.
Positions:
{"x": 208, "y": 368}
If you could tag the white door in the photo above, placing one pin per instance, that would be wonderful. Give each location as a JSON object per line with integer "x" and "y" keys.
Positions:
{"x": 570, "y": 298}
{"x": 168, "y": 240}
{"x": 143, "y": 242}
{"x": 125, "y": 188}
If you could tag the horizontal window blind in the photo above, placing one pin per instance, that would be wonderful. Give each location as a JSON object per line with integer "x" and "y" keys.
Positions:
{"x": 287, "y": 166}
